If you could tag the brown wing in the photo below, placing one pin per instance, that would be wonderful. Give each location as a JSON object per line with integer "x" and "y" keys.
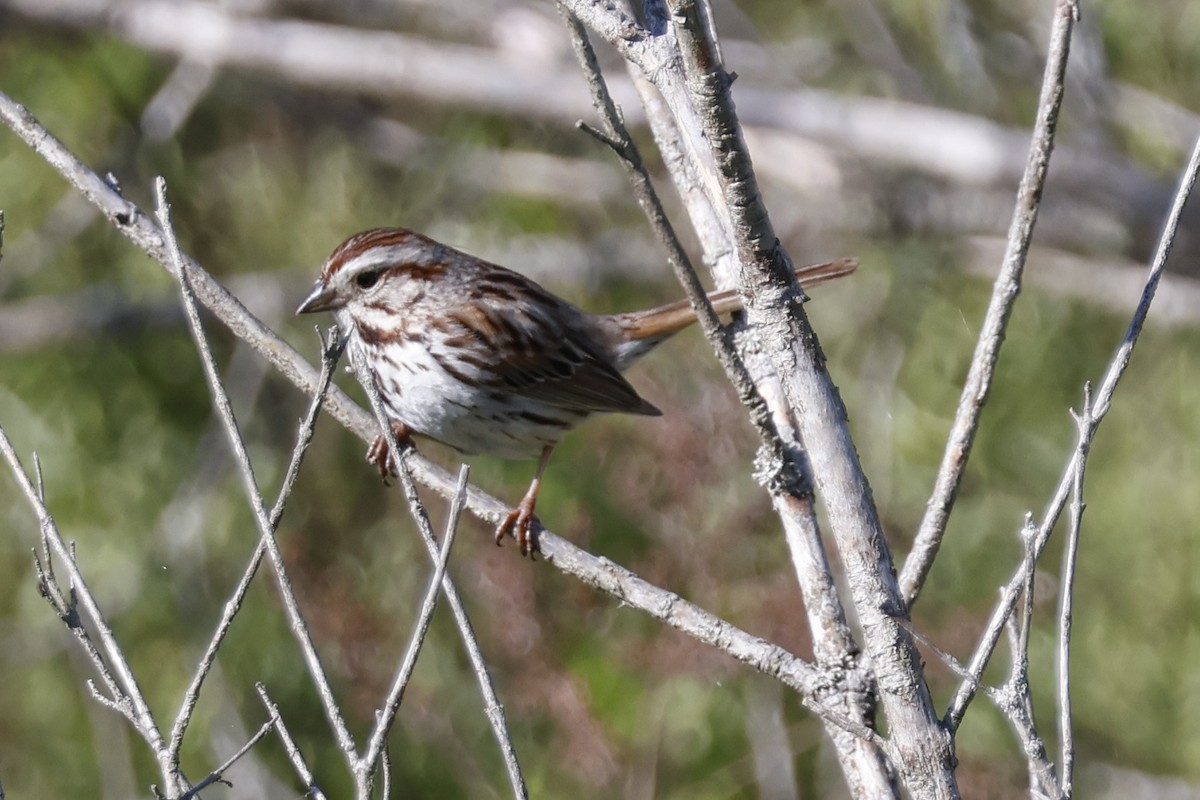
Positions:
{"x": 539, "y": 347}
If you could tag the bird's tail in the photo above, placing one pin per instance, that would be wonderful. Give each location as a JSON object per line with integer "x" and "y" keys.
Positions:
{"x": 651, "y": 326}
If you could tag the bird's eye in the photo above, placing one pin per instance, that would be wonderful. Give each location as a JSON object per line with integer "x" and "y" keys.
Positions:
{"x": 365, "y": 280}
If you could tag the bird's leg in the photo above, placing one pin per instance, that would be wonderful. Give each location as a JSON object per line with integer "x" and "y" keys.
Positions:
{"x": 379, "y": 453}
{"x": 520, "y": 520}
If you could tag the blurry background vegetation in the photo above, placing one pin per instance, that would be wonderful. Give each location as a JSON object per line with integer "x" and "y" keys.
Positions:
{"x": 269, "y": 171}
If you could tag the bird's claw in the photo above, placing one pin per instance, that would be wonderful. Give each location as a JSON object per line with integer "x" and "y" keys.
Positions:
{"x": 379, "y": 453}
{"x": 524, "y": 525}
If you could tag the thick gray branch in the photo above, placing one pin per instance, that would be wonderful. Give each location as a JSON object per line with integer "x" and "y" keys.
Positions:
{"x": 711, "y": 134}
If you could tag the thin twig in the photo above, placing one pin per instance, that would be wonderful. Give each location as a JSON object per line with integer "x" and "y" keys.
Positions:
{"x": 330, "y": 352}
{"x": 289, "y": 746}
{"x": 1066, "y": 734}
{"x": 1009, "y": 594}
{"x": 1004, "y": 295}
{"x": 225, "y": 412}
{"x": 492, "y": 708}
{"x": 118, "y": 700}
{"x": 791, "y": 492}
{"x": 387, "y": 713}
{"x": 1028, "y": 567}
{"x": 218, "y": 774}
{"x": 121, "y": 705}
{"x": 139, "y": 712}
{"x": 1017, "y": 694}
{"x": 1101, "y": 404}
{"x": 400, "y": 452}
{"x": 616, "y": 136}
{"x": 41, "y": 480}
{"x": 627, "y": 587}
{"x": 48, "y": 585}
{"x": 385, "y": 767}
{"x": 1012, "y": 700}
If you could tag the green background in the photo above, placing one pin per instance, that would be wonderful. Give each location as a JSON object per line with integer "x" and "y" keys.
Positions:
{"x": 266, "y": 178}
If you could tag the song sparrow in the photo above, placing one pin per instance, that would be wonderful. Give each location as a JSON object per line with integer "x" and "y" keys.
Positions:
{"x": 485, "y": 360}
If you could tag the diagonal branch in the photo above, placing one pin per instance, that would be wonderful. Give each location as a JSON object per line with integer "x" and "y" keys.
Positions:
{"x": 129, "y": 690}
{"x": 1100, "y": 406}
{"x": 1004, "y": 296}
{"x": 218, "y": 774}
{"x": 702, "y": 103}
{"x": 331, "y": 351}
{"x": 289, "y": 745}
{"x": 403, "y": 457}
{"x": 396, "y": 694}
{"x": 850, "y": 689}
{"x": 67, "y": 608}
{"x": 183, "y": 273}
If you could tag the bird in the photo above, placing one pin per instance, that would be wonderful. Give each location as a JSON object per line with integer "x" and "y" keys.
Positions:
{"x": 484, "y": 359}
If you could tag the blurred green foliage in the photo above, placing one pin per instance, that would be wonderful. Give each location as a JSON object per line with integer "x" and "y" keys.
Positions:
{"x": 266, "y": 178}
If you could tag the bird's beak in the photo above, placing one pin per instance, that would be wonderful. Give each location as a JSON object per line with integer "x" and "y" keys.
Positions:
{"x": 321, "y": 298}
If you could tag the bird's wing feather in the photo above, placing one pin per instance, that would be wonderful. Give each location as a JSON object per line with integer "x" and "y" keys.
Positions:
{"x": 521, "y": 348}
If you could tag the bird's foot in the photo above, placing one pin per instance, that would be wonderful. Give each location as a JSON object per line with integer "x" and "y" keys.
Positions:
{"x": 379, "y": 453}
{"x": 524, "y": 525}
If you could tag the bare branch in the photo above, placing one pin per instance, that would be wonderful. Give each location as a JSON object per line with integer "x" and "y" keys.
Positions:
{"x": 672, "y": 609}
{"x": 1009, "y": 594}
{"x": 789, "y": 485}
{"x": 129, "y": 691}
{"x": 619, "y": 29}
{"x": 598, "y": 572}
{"x": 1066, "y": 734}
{"x": 1028, "y": 566}
{"x": 1004, "y": 295}
{"x": 1014, "y": 702}
{"x": 617, "y": 137}
{"x": 182, "y": 273}
{"x": 68, "y": 611}
{"x": 48, "y": 585}
{"x": 289, "y": 745}
{"x": 218, "y": 774}
{"x": 331, "y": 351}
{"x": 122, "y": 705}
{"x": 385, "y": 767}
{"x": 492, "y": 708}
{"x": 1099, "y": 408}
{"x": 702, "y": 104}
{"x": 387, "y": 713}
{"x": 1015, "y": 699}
{"x": 401, "y": 456}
